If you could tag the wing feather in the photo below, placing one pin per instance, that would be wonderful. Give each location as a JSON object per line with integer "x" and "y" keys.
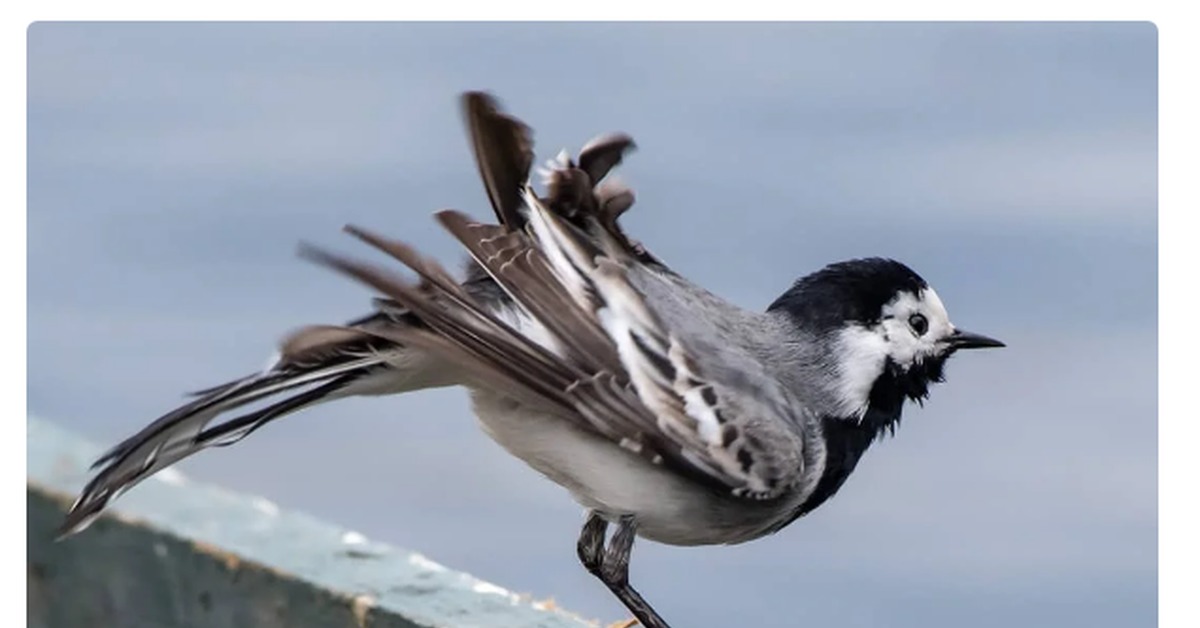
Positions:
{"x": 614, "y": 366}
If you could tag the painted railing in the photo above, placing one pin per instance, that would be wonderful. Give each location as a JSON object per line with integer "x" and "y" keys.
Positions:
{"x": 177, "y": 553}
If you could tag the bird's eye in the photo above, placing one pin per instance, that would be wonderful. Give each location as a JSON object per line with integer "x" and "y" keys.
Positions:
{"x": 919, "y": 324}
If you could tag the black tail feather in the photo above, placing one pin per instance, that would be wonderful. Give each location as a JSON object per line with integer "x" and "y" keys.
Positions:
{"x": 183, "y": 432}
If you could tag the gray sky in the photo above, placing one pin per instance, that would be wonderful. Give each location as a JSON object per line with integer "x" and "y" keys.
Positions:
{"x": 173, "y": 168}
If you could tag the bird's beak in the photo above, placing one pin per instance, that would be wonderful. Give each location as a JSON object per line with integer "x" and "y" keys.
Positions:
{"x": 966, "y": 340}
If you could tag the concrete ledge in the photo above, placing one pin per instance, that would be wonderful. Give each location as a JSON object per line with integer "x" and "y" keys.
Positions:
{"x": 175, "y": 553}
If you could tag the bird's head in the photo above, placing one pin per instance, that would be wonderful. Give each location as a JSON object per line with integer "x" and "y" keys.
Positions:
{"x": 884, "y": 333}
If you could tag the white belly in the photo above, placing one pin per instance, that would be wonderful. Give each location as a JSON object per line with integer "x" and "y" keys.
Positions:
{"x": 613, "y": 481}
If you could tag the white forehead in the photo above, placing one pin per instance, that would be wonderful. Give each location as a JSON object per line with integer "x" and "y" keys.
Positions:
{"x": 926, "y": 301}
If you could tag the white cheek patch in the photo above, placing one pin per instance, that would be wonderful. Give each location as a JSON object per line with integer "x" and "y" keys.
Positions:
{"x": 902, "y": 345}
{"x": 861, "y": 354}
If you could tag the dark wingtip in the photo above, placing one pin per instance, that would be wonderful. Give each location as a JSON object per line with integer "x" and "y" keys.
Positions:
{"x": 478, "y": 101}
{"x": 354, "y": 230}
{"x": 452, "y": 218}
{"x": 603, "y": 153}
{"x": 503, "y": 149}
{"x": 313, "y": 253}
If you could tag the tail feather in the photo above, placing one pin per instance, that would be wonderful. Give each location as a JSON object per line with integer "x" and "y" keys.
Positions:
{"x": 206, "y": 402}
{"x": 185, "y": 430}
{"x": 191, "y": 417}
{"x": 234, "y": 430}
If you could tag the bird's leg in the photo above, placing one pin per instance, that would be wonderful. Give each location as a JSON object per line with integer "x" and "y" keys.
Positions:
{"x": 611, "y": 564}
{"x": 614, "y": 572}
{"x": 591, "y": 543}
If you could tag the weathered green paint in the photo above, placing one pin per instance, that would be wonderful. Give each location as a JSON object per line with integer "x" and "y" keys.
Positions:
{"x": 174, "y": 553}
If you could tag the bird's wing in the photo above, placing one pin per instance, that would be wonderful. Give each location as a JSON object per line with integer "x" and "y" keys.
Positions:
{"x": 503, "y": 149}
{"x": 325, "y": 362}
{"x": 602, "y": 357}
{"x": 714, "y": 401}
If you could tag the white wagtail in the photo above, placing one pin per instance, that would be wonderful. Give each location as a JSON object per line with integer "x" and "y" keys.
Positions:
{"x": 664, "y": 410}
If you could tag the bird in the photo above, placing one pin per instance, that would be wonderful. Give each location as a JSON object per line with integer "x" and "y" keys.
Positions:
{"x": 668, "y": 413}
